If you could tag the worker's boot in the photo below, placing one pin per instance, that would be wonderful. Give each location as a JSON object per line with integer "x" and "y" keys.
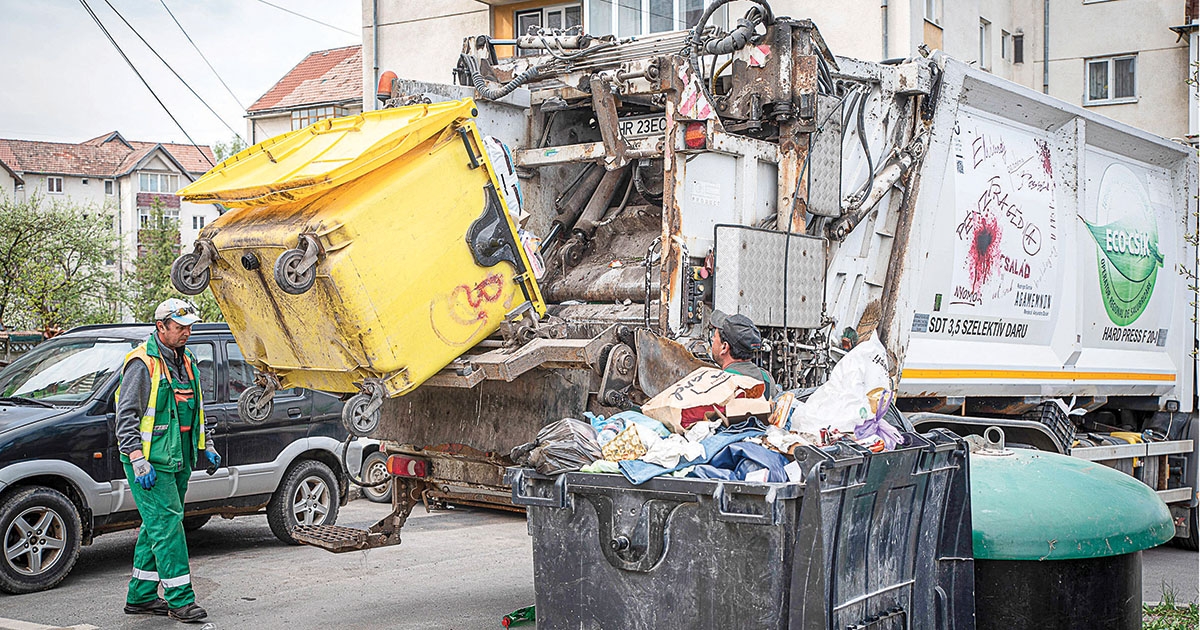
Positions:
{"x": 188, "y": 613}
{"x": 156, "y": 607}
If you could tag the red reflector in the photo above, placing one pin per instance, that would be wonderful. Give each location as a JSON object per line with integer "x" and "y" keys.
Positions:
{"x": 402, "y": 466}
{"x": 694, "y": 136}
{"x": 384, "y": 91}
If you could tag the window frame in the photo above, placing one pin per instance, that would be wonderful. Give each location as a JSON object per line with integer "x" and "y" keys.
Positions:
{"x": 1110, "y": 65}
{"x": 145, "y": 177}
{"x": 1005, "y": 39}
{"x": 678, "y": 16}
{"x": 985, "y": 44}
{"x": 933, "y": 12}
{"x": 543, "y": 17}
{"x": 305, "y": 116}
{"x": 110, "y": 187}
{"x": 54, "y": 182}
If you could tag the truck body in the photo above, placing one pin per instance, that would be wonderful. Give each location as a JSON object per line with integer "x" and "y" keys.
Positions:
{"x": 1028, "y": 264}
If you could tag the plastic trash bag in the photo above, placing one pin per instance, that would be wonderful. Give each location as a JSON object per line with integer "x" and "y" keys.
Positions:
{"x": 843, "y": 402}
{"x": 703, "y": 388}
{"x": 562, "y": 446}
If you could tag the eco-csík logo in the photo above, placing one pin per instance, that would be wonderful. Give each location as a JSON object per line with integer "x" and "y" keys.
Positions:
{"x": 1126, "y": 235}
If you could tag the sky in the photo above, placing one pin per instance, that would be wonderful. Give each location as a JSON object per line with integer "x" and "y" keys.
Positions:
{"x": 61, "y": 80}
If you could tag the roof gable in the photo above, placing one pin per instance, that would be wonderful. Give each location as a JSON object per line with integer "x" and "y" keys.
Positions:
{"x": 325, "y": 76}
{"x": 108, "y": 155}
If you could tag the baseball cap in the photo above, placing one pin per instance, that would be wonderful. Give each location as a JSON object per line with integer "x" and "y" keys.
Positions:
{"x": 739, "y": 332}
{"x": 183, "y": 313}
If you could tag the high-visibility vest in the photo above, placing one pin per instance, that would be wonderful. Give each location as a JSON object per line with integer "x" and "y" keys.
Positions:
{"x": 158, "y": 369}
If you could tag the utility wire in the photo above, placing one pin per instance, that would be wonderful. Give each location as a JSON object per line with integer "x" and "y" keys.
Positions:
{"x": 181, "y": 80}
{"x": 210, "y": 66}
{"x": 301, "y": 15}
{"x": 117, "y": 46}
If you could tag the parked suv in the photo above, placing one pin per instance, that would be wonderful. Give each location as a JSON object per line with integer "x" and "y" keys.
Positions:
{"x": 61, "y": 477}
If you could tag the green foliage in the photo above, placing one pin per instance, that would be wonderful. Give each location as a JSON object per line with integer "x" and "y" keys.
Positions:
{"x": 1169, "y": 615}
{"x": 223, "y": 150}
{"x": 158, "y": 245}
{"x": 57, "y": 264}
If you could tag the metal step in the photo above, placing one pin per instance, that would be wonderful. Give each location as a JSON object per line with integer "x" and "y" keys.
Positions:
{"x": 340, "y": 539}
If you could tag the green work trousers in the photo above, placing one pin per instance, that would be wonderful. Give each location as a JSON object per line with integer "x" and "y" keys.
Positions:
{"x": 161, "y": 553}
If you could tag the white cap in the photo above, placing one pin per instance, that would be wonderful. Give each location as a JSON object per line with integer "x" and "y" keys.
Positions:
{"x": 183, "y": 313}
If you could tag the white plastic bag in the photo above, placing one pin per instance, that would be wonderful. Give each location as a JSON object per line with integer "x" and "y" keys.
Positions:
{"x": 842, "y": 402}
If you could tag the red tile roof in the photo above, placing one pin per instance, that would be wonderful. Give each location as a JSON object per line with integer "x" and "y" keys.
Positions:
{"x": 325, "y": 76}
{"x": 108, "y": 155}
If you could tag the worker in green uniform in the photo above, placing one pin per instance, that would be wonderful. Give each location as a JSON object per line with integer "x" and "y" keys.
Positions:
{"x": 735, "y": 340}
{"x": 160, "y": 433}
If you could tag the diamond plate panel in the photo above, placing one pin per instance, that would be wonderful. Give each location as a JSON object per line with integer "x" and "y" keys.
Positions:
{"x": 751, "y": 276}
{"x": 825, "y": 160}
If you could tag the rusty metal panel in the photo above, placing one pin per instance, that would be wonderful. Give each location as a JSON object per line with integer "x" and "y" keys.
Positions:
{"x": 492, "y": 417}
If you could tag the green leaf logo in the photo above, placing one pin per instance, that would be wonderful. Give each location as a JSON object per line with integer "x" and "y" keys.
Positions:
{"x": 1127, "y": 254}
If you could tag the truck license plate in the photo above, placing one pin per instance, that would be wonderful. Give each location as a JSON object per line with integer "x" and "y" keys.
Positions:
{"x": 642, "y": 126}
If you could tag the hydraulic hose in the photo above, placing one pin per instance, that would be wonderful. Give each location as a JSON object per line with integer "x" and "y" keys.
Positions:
{"x": 346, "y": 469}
{"x": 490, "y": 93}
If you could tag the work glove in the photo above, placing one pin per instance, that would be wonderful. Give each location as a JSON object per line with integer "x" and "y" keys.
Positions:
{"x": 144, "y": 473}
{"x": 214, "y": 460}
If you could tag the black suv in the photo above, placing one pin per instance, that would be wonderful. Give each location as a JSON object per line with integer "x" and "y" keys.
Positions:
{"x": 61, "y": 479}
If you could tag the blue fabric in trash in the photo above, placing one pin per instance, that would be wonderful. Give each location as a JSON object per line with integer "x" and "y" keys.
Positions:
{"x": 737, "y": 460}
{"x": 639, "y": 472}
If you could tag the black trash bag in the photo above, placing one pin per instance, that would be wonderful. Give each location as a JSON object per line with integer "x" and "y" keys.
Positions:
{"x": 562, "y": 446}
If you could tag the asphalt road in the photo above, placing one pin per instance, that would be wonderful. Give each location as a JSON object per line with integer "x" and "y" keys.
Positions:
{"x": 459, "y": 569}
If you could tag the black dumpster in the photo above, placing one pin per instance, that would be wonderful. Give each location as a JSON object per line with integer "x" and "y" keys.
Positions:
{"x": 866, "y": 540}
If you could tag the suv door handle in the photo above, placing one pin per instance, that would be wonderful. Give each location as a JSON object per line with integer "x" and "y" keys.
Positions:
{"x": 293, "y": 412}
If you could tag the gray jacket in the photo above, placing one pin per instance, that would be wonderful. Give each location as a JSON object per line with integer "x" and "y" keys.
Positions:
{"x": 135, "y": 396}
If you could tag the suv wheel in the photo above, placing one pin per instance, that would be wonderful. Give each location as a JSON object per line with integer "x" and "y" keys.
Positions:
{"x": 308, "y": 495}
{"x": 41, "y": 537}
{"x": 374, "y": 470}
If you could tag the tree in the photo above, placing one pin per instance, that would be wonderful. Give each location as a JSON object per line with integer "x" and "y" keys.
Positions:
{"x": 223, "y": 150}
{"x": 158, "y": 247}
{"x": 56, "y": 264}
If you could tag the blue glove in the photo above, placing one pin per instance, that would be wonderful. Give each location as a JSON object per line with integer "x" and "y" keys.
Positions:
{"x": 144, "y": 473}
{"x": 214, "y": 461}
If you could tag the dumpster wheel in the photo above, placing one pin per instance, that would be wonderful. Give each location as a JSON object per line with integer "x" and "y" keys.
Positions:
{"x": 296, "y": 269}
{"x": 360, "y": 415}
{"x": 254, "y": 406}
{"x": 184, "y": 277}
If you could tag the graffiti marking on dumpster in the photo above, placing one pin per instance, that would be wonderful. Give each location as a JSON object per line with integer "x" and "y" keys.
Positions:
{"x": 466, "y": 307}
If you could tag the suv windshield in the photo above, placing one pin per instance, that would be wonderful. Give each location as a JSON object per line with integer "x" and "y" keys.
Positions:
{"x": 64, "y": 372}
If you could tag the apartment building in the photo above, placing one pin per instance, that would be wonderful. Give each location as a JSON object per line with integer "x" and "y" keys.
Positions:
{"x": 1127, "y": 59}
{"x": 325, "y": 84}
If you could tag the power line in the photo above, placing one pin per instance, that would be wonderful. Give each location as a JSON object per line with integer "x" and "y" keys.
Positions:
{"x": 112, "y": 41}
{"x": 181, "y": 80}
{"x": 286, "y": 10}
{"x": 210, "y": 66}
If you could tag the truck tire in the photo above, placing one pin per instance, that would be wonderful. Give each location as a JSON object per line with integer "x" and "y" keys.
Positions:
{"x": 308, "y": 495}
{"x": 49, "y": 524}
{"x": 374, "y": 469}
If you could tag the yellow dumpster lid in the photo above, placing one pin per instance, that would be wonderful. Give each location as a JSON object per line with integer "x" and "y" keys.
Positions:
{"x": 326, "y": 154}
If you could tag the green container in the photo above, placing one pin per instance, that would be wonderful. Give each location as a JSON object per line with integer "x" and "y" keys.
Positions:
{"x": 1034, "y": 505}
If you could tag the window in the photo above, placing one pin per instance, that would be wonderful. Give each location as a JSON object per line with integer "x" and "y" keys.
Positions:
{"x": 1004, "y": 43}
{"x": 170, "y": 214}
{"x": 197, "y": 222}
{"x": 1111, "y": 80}
{"x": 551, "y": 18}
{"x": 933, "y": 11}
{"x": 626, "y": 18}
{"x": 158, "y": 182}
{"x": 207, "y": 369}
{"x": 985, "y": 48}
{"x": 1018, "y": 41}
{"x": 54, "y": 185}
{"x": 84, "y": 181}
{"x": 302, "y": 118}
{"x": 109, "y": 187}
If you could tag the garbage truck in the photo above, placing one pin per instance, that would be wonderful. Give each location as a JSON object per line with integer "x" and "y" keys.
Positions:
{"x": 1027, "y": 264}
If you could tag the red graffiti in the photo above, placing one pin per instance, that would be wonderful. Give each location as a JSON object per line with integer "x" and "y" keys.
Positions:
{"x": 985, "y": 248}
{"x": 487, "y": 290}
{"x": 1044, "y": 149}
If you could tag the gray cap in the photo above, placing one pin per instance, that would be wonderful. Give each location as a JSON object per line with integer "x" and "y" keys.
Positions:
{"x": 739, "y": 332}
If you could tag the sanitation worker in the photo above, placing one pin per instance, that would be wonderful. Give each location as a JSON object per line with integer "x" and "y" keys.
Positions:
{"x": 160, "y": 433}
{"x": 735, "y": 340}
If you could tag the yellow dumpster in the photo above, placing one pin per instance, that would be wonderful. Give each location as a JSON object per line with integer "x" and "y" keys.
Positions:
{"x": 361, "y": 254}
